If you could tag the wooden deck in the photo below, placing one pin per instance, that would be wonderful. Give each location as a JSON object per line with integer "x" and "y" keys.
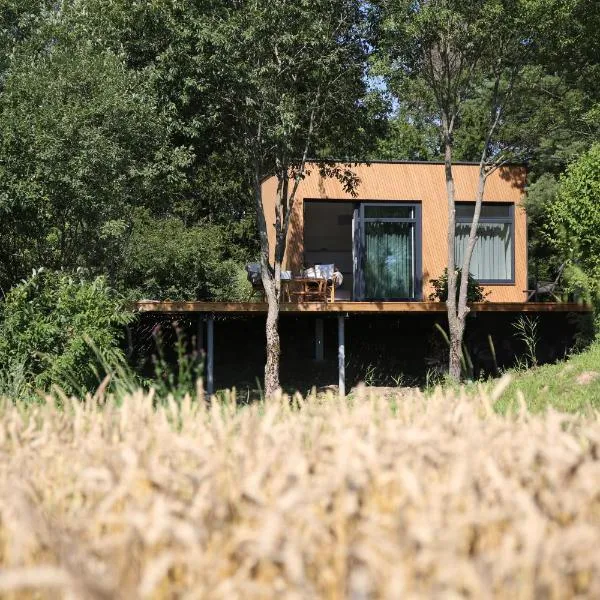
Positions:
{"x": 354, "y": 307}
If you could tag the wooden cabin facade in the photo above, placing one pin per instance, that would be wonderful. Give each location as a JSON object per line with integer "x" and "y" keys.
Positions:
{"x": 390, "y": 239}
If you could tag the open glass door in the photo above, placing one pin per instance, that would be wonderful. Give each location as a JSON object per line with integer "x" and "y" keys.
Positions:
{"x": 390, "y": 251}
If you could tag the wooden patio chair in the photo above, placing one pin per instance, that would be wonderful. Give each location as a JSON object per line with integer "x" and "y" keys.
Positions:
{"x": 334, "y": 282}
{"x": 332, "y": 277}
{"x": 546, "y": 288}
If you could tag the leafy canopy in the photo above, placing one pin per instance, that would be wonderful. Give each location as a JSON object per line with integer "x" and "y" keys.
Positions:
{"x": 455, "y": 62}
{"x": 81, "y": 143}
{"x": 442, "y": 59}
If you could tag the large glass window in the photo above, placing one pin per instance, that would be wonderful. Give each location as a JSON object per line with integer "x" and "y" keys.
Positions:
{"x": 391, "y": 251}
{"x": 492, "y": 260}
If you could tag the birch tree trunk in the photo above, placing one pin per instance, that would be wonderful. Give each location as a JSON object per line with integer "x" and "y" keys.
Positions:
{"x": 455, "y": 323}
{"x": 271, "y": 280}
{"x": 458, "y": 311}
{"x": 273, "y": 346}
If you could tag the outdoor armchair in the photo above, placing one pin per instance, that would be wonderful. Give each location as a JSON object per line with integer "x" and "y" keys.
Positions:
{"x": 547, "y": 288}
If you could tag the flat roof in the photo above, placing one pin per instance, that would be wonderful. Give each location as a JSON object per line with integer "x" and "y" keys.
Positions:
{"x": 408, "y": 162}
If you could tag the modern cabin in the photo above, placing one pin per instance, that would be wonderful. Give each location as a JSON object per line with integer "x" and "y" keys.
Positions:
{"x": 389, "y": 239}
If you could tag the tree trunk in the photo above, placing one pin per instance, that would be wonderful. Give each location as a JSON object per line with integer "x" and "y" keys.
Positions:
{"x": 457, "y": 313}
{"x": 455, "y": 363}
{"x": 271, "y": 282}
{"x": 456, "y": 324}
{"x": 272, "y": 338}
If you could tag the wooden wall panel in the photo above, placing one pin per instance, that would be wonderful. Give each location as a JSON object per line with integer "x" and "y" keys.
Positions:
{"x": 423, "y": 182}
{"x": 269, "y": 193}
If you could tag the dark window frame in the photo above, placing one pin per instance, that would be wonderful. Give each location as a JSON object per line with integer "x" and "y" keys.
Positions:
{"x": 510, "y": 220}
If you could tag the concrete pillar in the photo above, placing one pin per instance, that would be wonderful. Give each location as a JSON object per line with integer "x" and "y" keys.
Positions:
{"x": 319, "y": 339}
{"x": 341, "y": 357}
{"x": 210, "y": 355}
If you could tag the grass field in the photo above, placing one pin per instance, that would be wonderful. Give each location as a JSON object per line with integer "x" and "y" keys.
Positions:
{"x": 572, "y": 385}
{"x": 436, "y": 497}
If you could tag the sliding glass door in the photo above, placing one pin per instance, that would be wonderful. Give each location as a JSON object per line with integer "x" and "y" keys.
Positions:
{"x": 389, "y": 252}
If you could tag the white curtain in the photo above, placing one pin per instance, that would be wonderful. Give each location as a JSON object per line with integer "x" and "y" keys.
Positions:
{"x": 492, "y": 256}
{"x": 389, "y": 252}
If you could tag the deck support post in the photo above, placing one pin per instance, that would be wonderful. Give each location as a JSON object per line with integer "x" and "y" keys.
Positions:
{"x": 210, "y": 354}
{"x": 341, "y": 357}
{"x": 200, "y": 338}
{"x": 319, "y": 340}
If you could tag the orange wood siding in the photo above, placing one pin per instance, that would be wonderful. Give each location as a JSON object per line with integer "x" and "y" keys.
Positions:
{"x": 422, "y": 182}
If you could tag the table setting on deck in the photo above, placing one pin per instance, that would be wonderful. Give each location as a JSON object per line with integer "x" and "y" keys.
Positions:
{"x": 312, "y": 284}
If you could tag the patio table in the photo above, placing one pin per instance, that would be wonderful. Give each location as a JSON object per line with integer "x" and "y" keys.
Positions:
{"x": 306, "y": 289}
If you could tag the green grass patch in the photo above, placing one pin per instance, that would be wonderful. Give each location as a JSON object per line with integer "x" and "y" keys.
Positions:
{"x": 572, "y": 385}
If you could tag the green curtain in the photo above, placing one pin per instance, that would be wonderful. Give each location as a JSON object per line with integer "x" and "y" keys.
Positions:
{"x": 389, "y": 269}
{"x": 492, "y": 255}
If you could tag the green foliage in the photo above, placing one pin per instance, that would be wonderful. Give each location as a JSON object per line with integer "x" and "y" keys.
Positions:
{"x": 552, "y": 119}
{"x": 544, "y": 53}
{"x": 572, "y": 224}
{"x": 81, "y": 143}
{"x": 299, "y": 85}
{"x": 527, "y": 330}
{"x": 100, "y": 115}
{"x": 559, "y": 103}
{"x": 165, "y": 259}
{"x": 171, "y": 45}
{"x": 182, "y": 378}
{"x": 409, "y": 136}
{"x": 572, "y": 385}
{"x": 458, "y": 61}
{"x": 18, "y": 18}
{"x": 475, "y": 292}
{"x": 54, "y": 328}
{"x": 14, "y": 382}
{"x": 542, "y": 255}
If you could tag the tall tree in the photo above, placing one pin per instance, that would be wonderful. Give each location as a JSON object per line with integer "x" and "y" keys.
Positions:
{"x": 170, "y": 43}
{"x": 107, "y": 111}
{"x": 81, "y": 144}
{"x": 292, "y": 76}
{"x": 456, "y": 59}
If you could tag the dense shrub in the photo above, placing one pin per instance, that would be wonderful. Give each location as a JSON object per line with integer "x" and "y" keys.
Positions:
{"x": 55, "y": 327}
{"x": 572, "y": 224}
{"x": 166, "y": 259}
{"x": 475, "y": 291}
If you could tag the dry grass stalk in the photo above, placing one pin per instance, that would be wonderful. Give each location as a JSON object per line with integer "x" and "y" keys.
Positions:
{"x": 298, "y": 499}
